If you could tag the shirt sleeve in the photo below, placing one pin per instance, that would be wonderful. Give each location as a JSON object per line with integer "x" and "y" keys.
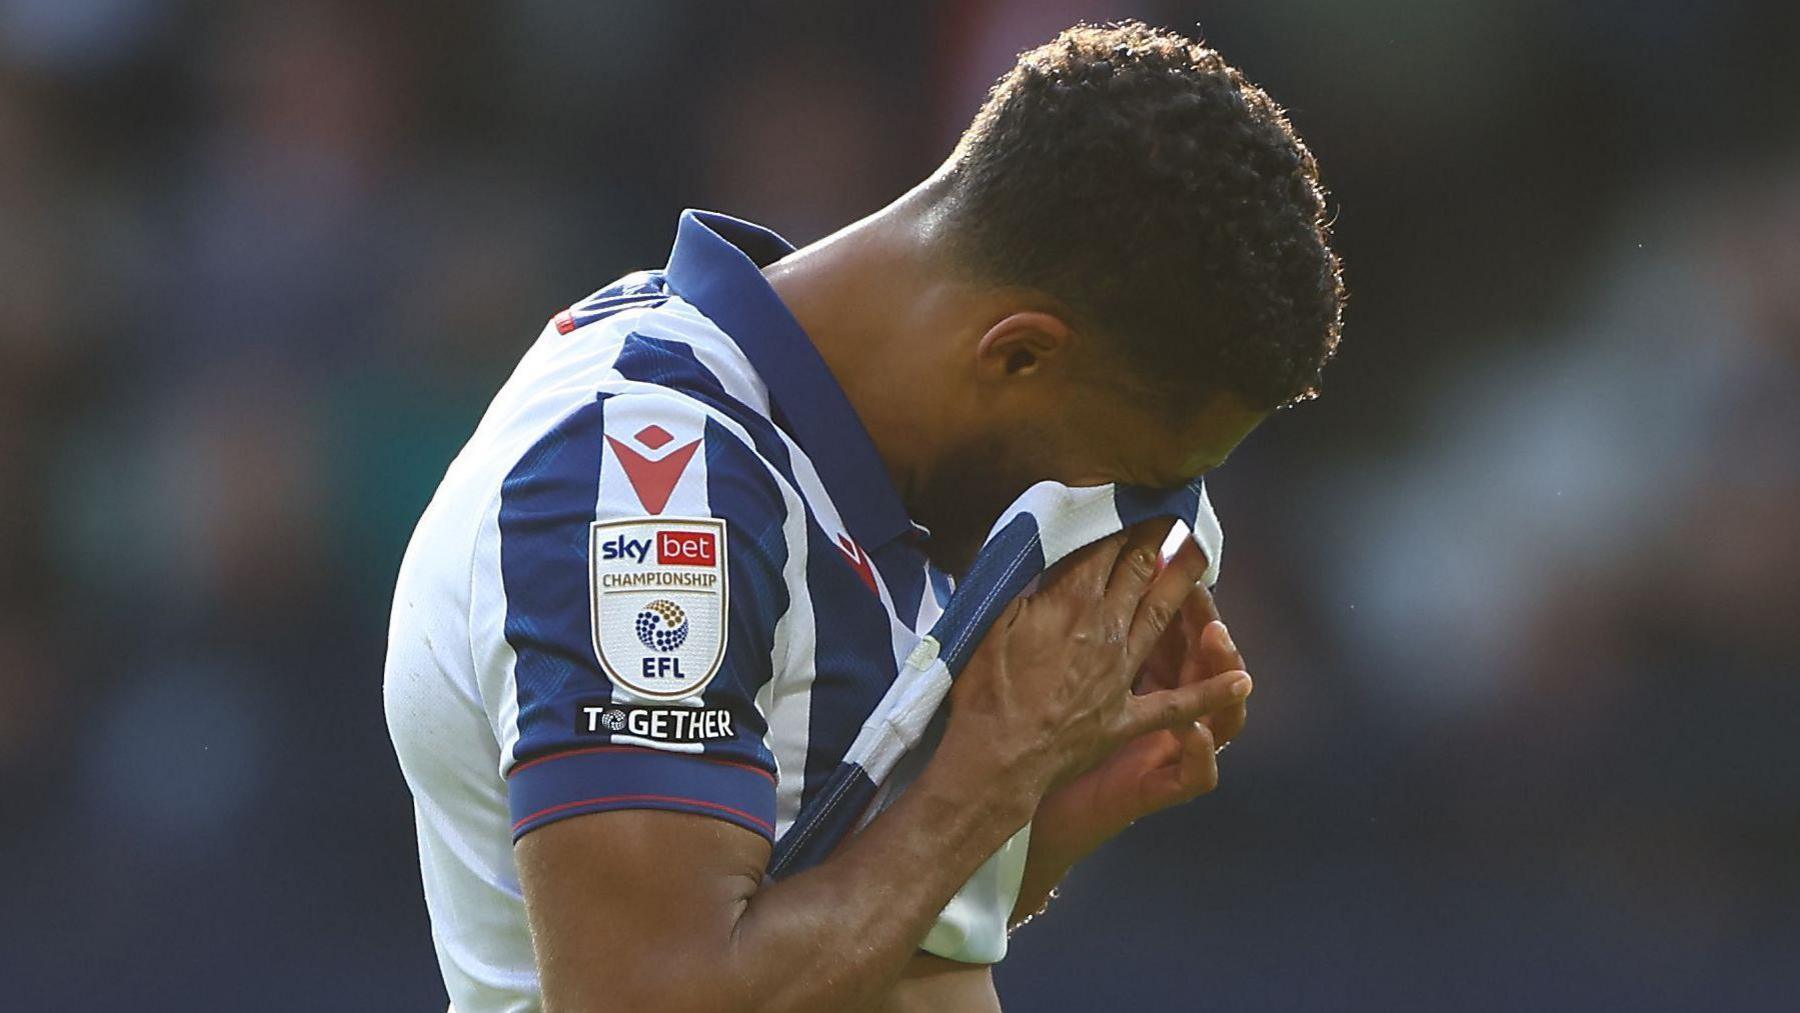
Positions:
{"x": 642, "y": 547}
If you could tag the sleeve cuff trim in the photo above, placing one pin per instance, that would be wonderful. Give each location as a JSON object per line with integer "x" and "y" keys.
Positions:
{"x": 644, "y": 802}
{"x": 630, "y": 777}
{"x": 635, "y": 751}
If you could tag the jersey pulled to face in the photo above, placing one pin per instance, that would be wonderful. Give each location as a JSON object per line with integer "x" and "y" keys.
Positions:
{"x": 667, "y": 571}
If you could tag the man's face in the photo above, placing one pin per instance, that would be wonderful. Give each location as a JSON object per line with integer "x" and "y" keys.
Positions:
{"x": 1079, "y": 435}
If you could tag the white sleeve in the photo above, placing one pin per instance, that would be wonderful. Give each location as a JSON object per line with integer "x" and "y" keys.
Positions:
{"x": 972, "y": 927}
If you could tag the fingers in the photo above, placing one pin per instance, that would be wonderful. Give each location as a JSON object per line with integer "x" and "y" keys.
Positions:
{"x": 1177, "y": 656}
{"x": 1194, "y": 772}
{"x": 1199, "y": 761}
{"x": 1217, "y": 647}
{"x": 1132, "y": 572}
{"x": 1209, "y": 652}
{"x": 1171, "y": 708}
{"x": 1167, "y": 664}
{"x": 1162, "y": 602}
{"x": 1138, "y": 559}
{"x": 1081, "y": 577}
{"x": 1199, "y": 608}
{"x": 1227, "y": 723}
{"x": 1215, "y": 652}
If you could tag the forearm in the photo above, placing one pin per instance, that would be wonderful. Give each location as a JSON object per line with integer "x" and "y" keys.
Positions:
{"x": 615, "y": 898}
{"x": 863, "y": 911}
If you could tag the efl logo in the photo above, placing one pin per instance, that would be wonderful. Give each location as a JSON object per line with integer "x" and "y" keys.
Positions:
{"x": 686, "y": 548}
{"x": 657, "y": 589}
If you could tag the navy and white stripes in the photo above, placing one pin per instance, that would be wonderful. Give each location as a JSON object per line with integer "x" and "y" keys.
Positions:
{"x": 1046, "y": 524}
{"x": 688, "y": 395}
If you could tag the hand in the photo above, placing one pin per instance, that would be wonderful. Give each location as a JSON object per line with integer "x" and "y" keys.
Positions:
{"x": 1161, "y": 768}
{"x": 1049, "y": 692}
{"x": 1182, "y": 656}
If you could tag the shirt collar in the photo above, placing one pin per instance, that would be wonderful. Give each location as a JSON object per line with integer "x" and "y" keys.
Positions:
{"x": 716, "y": 266}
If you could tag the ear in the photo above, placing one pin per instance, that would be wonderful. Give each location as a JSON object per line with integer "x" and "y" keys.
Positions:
{"x": 1020, "y": 344}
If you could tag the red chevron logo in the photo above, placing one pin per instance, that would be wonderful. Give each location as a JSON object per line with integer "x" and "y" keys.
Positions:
{"x": 858, "y": 560}
{"x": 653, "y": 480}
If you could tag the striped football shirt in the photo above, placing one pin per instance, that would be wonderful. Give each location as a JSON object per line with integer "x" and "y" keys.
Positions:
{"x": 670, "y": 571}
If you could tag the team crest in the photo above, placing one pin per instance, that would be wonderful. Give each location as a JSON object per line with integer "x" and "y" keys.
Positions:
{"x": 659, "y": 602}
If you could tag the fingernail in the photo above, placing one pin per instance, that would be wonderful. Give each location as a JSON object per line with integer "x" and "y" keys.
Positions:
{"x": 1240, "y": 687}
{"x": 1229, "y": 644}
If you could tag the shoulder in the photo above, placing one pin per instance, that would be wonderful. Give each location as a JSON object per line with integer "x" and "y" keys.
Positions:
{"x": 653, "y": 409}
{"x": 653, "y": 336}
{"x": 645, "y": 450}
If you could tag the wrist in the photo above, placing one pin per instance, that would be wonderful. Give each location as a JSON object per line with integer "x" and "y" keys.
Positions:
{"x": 1057, "y": 853}
{"x": 970, "y": 773}
{"x": 1071, "y": 824}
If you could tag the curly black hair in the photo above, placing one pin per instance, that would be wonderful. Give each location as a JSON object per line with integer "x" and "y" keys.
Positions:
{"x": 1138, "y": 179}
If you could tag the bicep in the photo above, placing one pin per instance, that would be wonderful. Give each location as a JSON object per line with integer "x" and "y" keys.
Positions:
{"x": 624, "y": 905}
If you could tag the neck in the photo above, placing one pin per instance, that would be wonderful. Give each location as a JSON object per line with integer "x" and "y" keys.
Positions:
{"x": 864, "y": 294}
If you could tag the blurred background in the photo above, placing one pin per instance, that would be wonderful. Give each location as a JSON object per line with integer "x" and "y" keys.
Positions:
{"x": 1522, "y": 591}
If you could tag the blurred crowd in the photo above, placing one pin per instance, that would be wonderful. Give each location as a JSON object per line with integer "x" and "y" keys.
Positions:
{"x": 1522, "y": 590}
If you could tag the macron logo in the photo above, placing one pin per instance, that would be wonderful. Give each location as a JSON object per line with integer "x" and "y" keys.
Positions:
{"x": 653, "y": 479}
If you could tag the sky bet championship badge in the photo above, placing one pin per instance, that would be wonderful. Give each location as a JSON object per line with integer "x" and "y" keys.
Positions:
{"x": 659, "y": 603}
